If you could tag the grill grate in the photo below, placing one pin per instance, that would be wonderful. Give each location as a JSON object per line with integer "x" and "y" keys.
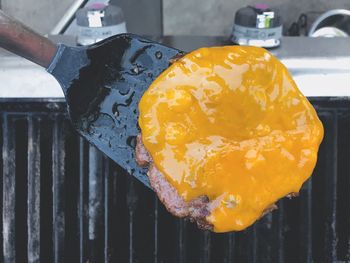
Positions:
{"x": 63, "y": 201}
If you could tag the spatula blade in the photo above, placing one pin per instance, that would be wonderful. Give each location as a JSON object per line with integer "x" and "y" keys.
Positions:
{"x": 105, "y": 84}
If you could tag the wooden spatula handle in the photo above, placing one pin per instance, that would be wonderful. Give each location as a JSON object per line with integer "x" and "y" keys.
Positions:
{"x": 19, "y": 39}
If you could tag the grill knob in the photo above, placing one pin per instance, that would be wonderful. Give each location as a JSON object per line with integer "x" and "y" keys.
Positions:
{"x": 257, "y": 26}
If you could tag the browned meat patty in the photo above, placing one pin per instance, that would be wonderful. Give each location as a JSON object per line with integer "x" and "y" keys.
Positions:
{"x": 196, "y": 210}
{"x": 142, "y": 156}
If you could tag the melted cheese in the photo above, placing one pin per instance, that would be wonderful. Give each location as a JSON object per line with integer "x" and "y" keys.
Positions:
{"x": 230, "y": 123}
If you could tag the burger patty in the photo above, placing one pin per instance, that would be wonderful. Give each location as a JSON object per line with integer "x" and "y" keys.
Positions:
{"x": 196, "y": 210}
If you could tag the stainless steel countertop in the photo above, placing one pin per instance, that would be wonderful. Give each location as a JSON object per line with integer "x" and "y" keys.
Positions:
{"x": 320, "y": 66}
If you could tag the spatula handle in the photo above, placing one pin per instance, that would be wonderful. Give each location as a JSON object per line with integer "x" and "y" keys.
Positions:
{"x": 19, "y": 39}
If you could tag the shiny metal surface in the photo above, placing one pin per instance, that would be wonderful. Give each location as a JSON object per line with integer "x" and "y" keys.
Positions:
{"x": 67, "y": 24}
{"x": 320, "y": 20}
{"x": 23, "y": 79}
{"x": 129, "y": 224}
{"x": 329, "y": 32}
{"x": 67, "y": 18}
{"x": 320, "y": 66}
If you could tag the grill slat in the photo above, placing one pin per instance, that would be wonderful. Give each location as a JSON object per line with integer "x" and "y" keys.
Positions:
{"x": 168, "y": 232}
{"x": 1, "y": 187}
{"x": 9, "y": 185}
{"x": 155, "y": 228}
{"x": 144, "y": 226}
{"x": 244, "y": 245}
{"x": 96, "y": 205}
{"x": 120, "y": 217}
{"x": 107, "y": 224}
{"x": 21, "y": 189}
{"x": 230, "y": 248}
{"x": 322, "y": 194}
{"x": 181, "y": 245}
{"x": 33, "y": 208}
{"x": 265, "y": 233}
{"x": 305, "y": 224}
{"x": 280, "y": 233}
{"x": 254, "y": 244}
{"x": 131, "y": 202}
{"x": 129, "y": 224}
{"x": 46, "y": 196}
{"x": 205, "y": 247}
{"x": 291, "y": 227}
{"x": 309, "y": 221}
{"x": 58, "y": 174}
{"x": 111, "y": 213}
{"x": 333, "y": 239}
{"x": 343, "y": 186}
{"x": 82, "y": 213}
{"x": 95, "y": 191}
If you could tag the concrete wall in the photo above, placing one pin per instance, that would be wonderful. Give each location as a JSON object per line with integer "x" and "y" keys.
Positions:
{"x": 215, "y": 17}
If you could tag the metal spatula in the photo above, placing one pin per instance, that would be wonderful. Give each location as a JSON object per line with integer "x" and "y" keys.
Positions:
{"x": 102, "y": 83}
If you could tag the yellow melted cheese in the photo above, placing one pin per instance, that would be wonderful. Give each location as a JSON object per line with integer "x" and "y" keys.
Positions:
{"x": 230, "y": 123}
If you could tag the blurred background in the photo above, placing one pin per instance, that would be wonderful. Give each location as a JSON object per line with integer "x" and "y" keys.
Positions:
{"x": 180, "y": 17}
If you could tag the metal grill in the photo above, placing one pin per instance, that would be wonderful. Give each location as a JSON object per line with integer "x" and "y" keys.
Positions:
{"x": 63, "y": 201}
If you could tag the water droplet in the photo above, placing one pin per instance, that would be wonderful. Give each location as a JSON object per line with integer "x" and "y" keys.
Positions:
{"x": 129, "y": 100}
{"x": 159, "y": 55}
{"x": 131, "y": 141}
{"x": 115, "y": 110}
{"x": 109, "y": 144}
{"x": 136, "y": 70}
{"x": 123, "y": 90}
{"x": 97, "y": 134}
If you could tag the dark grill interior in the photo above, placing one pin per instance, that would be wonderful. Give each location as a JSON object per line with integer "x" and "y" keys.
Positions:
{"x": 62, "y": 201}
